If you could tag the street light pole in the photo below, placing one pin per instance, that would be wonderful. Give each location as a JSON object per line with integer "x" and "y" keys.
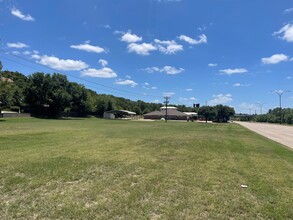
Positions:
{"x": 280, "y": 93}
{"x": 260, "y": 106}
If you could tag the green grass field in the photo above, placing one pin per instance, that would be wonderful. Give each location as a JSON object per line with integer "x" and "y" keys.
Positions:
{"x": 105, "y": 169}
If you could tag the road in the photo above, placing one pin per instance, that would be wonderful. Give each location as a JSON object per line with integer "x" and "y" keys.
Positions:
{"x": 279, "y": 133}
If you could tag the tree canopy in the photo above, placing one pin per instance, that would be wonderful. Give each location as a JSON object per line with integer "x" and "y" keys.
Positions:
{"x": 51, "y": 94}
{"x": 218, "y": 113}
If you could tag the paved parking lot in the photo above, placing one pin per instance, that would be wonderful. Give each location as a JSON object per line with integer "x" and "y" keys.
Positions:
{"x": 280, "y": 133}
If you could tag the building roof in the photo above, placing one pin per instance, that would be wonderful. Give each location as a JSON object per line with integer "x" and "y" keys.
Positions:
{"x": 190, "y": 113}
{"x": 169, "y": 112}
{"x": 168, "y": 107}
{"x": 121, "y": 111}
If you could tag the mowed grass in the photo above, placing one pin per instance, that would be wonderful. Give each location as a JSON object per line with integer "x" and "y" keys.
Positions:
{"x": 114, "y": 169}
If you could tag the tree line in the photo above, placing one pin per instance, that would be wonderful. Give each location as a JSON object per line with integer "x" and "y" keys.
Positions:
{"x": 273, "y": 116}
{"x": 52, "y": 94}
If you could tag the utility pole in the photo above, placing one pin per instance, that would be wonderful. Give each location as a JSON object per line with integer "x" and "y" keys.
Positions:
{"x": 280, "y": 93}
{"x": 166, "y": 106}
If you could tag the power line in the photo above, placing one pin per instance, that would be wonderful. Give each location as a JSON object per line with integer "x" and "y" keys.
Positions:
{"x": 68, "y": 74}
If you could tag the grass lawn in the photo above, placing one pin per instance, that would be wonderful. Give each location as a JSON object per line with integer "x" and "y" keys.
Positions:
{"x": 105, "y": 169}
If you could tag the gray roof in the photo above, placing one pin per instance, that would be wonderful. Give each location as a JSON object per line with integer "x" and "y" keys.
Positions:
{"x": 121, "y": 111}
{"x": 169, "y": 112}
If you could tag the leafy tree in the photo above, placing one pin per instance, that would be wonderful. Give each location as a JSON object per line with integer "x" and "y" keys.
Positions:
{"x": 6, "y": 94}
{"x": 207, "y": 111}
{"x": 47, "y": 91}
{"x": 109, "y": 105}
{"x": 79, "y": 99}
{"x": 137, "y": 110}
{"x": 39, "y": 87}
{"x": 13, "y": 85}
{"x": 223, "y": 113}
{"x": 101, "y": 107}
{"x": 59, "y": 97}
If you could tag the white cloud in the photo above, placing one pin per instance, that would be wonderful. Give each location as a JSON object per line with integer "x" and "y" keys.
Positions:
{"x": 202, "y": 39}
{"x": 104, "y": 63}
{"x": 168, "y": 94}
{"x": 171, "y": 70}
{"x": 240, "y": 85}
{"x": 289, "y": 77}
{"x": 15, "y": 52}
{"x": 187, "y": 100}
{"x": 100, "y": 73}
{"x": 60, "y": 64}
{"x": 168, "y": 47}
{"x": 274, "y": 59}
{"x": 126, "y": 82}
{"x": 212, "y": 64}
{"x": 130, "y": 38}
{"x": 151, "y": 69}
{"x": 17, "y": 45}
{"x": 288, "y": 10}
{"x": 156, "y": 101}
{"x": 36, "y": 56}
{"x": 147, "y": 86}
{"x": 166, "y": 69}
{"x": 88, "y": 48}
{"x": 220, "y": 99}
{"x": 189, "y": 90}
{"x": 233, "y": 71}
{"x": 202, "y": 28}
{"x": 118, "y": 32}
{"x": 285, "y": 33}
{"x": 26, "y": 52}
{"x": 20, "y": 15}
{"x": 141, "y": 49}
{"x": 105, "y": 26}
{"x": 128, "y": 77}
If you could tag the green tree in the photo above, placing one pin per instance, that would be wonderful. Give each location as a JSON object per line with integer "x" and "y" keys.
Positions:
{"x": 223, "y": 113}
{"x": 59, "y": 97}
{"x": 6, "y": 94}
{"x": 207, "y": 111}
{"x": 101, "y": 107}
{"x": 39, "y": 87}
{"x": 47, "y": 91}
{"x": 79, "y": 101}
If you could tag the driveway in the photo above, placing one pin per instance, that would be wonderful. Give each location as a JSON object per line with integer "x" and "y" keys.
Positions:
{"x": 279, "y": 133}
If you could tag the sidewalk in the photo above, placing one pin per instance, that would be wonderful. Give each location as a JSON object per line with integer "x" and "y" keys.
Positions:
{"x": 279, "y": 133}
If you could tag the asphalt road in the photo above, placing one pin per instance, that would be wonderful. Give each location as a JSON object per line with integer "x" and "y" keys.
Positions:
{"x": 279, "y": 133}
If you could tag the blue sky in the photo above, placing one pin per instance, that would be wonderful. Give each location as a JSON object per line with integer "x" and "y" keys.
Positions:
{"x": 230, "y": 52}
